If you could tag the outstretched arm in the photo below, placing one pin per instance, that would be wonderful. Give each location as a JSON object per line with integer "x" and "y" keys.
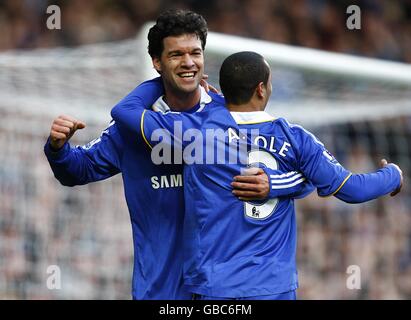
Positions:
{"x": 332, "y": 179}
{"x": 364, "y": 187}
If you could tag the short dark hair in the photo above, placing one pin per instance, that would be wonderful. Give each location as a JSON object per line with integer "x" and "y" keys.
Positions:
{"x": 175, "y": 23}
{"x": 240, "y": 75}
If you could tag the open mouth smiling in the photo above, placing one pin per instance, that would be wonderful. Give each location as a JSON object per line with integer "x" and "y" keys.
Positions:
{"x": 187, "y": 75}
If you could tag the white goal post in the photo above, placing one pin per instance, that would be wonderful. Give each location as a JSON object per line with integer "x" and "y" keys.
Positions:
{"x": 370, "y": 88}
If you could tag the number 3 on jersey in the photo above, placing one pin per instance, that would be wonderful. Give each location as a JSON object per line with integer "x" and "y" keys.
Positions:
{"x": 261, "y": 211}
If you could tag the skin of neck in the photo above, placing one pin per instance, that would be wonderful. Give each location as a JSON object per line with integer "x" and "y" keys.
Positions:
{"x": 182, "y": 101}
{"x": 255, "y": 104}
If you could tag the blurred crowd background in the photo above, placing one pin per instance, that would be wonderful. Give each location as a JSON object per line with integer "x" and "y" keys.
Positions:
{"x": 385, "y": 25}
{"x": 86, "y": 230}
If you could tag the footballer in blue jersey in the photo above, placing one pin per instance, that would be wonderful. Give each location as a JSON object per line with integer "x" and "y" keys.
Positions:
{"x": 154, "y": 194}
{"x": 243, "y": 249}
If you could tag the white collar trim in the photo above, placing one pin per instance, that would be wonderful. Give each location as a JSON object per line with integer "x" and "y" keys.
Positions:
{"x": 251, "y": 117}
{"x": 161, "y": 106}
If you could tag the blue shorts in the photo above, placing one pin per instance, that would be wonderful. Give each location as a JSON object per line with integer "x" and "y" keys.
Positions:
{"x": 290, "y": 295}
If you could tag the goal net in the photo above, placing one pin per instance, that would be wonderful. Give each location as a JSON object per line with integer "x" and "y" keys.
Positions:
{"x": 360, "y": 108}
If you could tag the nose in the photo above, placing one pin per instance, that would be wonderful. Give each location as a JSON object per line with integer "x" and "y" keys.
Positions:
{"x": 187, "y": 61}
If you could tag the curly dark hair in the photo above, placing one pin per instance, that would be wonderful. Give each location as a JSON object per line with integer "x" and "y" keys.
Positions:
{"x": 175, "y": 23}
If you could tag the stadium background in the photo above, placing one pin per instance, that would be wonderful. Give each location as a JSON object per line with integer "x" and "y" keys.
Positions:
{"x": 86, "y": 230}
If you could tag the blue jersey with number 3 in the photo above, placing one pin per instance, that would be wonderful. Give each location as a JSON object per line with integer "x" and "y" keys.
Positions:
{"x": 235, "y": 248}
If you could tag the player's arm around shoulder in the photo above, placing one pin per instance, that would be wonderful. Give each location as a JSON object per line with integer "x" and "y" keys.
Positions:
{"x": 263, "y": 183}
{"x": 128, "y": 111}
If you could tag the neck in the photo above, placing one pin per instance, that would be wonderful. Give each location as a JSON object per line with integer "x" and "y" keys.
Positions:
{"x": 246, "y": 107}
{"x": 182, "y": 101}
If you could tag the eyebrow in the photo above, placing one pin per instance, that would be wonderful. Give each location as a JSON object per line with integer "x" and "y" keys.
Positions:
{"x": 181, "y": 51}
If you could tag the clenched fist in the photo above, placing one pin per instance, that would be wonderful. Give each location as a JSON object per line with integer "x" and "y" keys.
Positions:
{"x": 62, "y": 129}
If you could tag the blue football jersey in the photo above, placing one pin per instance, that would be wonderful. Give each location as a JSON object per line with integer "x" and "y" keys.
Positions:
{"x": 154, "y": 195}
{"x": 234, "y": 248}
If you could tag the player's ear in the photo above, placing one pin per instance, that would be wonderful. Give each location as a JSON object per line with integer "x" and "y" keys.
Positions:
{"x": 260, "y": 90}
{"x": 157, "y": 64}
